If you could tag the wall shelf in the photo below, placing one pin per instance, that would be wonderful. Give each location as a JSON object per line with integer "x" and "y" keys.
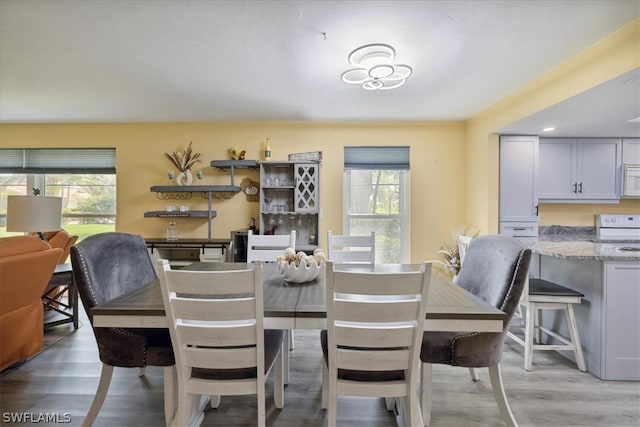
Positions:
{"x": 208, "y": 192}
{"x": 188, "y": 214}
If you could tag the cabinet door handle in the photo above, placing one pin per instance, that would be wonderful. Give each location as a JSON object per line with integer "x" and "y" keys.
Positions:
{"x": 575, "y": 188}
{"x": 519, "y": 228}
{"x": 580, "y": 188}
{"x": 537, "y": 212}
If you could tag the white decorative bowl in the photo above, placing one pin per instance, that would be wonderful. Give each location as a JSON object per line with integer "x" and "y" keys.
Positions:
{"x": 301, "y": 273}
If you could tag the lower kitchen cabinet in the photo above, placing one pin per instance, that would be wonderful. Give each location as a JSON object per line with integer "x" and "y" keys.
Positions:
{"x": 608, "y": 316}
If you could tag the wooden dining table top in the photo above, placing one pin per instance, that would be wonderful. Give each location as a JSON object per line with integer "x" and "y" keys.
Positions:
{"x": 449, "y": 307}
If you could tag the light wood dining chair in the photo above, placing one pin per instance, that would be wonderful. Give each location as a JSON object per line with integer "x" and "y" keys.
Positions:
{"x": 267, "y": 247}
{"x": 495, "y": 270}
{"x": 220, "y": 344}
{"x": 351, "y": 249}
{"x": 372, "y": 343}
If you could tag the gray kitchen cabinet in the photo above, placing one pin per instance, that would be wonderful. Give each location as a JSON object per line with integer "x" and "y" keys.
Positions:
{"x": 518, "y": 185}
{"x": 631, "y": 151}
{"x": 621, "y": 347}
{"x": 579, "y": 170}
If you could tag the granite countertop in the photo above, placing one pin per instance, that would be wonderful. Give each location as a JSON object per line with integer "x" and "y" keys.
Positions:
{"x": 580, "y": 243}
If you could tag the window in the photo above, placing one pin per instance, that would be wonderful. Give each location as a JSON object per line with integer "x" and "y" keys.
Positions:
{"x": 376, "y": 189}
{"x": 84, "y": 178}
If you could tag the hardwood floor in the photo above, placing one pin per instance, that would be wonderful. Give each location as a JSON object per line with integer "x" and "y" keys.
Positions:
{"x": 62, "y": 380}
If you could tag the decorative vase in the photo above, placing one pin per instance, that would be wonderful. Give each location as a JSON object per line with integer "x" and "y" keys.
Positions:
{"x": 185, "y": 178}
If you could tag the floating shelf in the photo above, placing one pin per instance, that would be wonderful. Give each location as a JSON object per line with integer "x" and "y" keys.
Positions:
{"x": 195, "y": 188}
{"x": 188, "y": 214}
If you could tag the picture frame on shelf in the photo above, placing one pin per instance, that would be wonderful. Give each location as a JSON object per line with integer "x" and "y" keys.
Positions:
{"x": 311, "y": 156}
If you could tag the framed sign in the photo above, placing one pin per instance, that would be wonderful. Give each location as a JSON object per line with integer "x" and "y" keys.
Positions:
{"x": 312, "y": 156}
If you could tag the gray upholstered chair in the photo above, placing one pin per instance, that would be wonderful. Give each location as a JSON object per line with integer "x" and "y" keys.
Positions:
{"x": 106, "y": 266}
{"x": 495, "y": 269}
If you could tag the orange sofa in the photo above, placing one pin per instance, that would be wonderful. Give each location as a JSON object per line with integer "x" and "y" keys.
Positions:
{"x": 26, "y": 266}
{"x": 60, "y": 239}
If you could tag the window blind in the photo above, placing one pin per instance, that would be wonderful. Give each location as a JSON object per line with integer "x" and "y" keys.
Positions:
{"x": 58, "y": 160}
{"x": 366, "y": 157}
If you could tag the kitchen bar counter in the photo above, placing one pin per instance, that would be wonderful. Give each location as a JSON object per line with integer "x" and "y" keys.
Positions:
{"x": 585, "y": 250}
{"x": 609, "y": 278}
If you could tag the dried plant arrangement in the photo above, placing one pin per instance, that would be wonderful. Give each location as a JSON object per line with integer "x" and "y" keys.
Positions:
{"x": 183, "y": 159}
{"x": 451, "y": 252}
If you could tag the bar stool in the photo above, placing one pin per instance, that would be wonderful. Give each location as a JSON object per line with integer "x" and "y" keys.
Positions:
{"x": 545, "y": 295}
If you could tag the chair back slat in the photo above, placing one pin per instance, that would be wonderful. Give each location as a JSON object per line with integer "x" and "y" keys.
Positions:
{"x": 351, "y": 249}
{"x": 376, "y": 311}
{"x": 368, "y": 283}
{"x": 199, "y": 282}
{"x": 266, "y": 247}
{"x": 221, "y": 358}
{"x": 226, "y": 309}
{"x": 218, "y": 335}
{"x": 380, "y": 337}
{"x": 373, "y": 360}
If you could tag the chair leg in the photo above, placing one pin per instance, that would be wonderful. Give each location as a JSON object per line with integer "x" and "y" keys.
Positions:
{"x": 528, "y": 335}
{"x": 278, "y": 379}
{"x": 325, "y": 385}
{"x": 332, "y": 398}
{"x": 575, "y": 338}
{"x": 142, "y": 371}
{"x": 500, "y": 396}
{"x": 215, "y": 400}
{"x": 186, "y": 404}
{"x": 474, "y": 374}
{"x": 170, "y": 383}
{"x": 286, "y": 356}
{"x": 390, "y": 403}
{"x": 101, "y": 393}
{"x": 425, "y": 393}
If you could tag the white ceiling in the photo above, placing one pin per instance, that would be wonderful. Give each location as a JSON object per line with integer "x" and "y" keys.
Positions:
{"x": 148, "y": 60}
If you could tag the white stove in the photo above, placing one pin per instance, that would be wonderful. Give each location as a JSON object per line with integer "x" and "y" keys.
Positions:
{"x": 618, "y": 233}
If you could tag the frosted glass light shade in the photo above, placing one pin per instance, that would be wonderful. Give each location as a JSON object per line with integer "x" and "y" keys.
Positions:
{"x": 34, "y": 213}
{"x": 375, "y": 68}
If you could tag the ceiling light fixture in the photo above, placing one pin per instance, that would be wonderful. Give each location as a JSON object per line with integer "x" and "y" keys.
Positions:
{"x": 375, "y": 69}
{"x": 548, "y": 129}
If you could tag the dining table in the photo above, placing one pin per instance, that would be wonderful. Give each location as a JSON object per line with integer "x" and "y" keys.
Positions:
{"x": 303, "y": 306}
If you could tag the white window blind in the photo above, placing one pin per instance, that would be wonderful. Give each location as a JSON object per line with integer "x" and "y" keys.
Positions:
{"x": 58, "y": 160}
{"x": 366, "y": 157}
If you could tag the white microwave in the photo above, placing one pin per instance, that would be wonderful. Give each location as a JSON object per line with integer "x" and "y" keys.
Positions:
{"x": 631, "y": 180}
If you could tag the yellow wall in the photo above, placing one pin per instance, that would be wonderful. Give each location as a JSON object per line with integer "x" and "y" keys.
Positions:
{"x": 454, "y": 166}
{"x": 615, "y": 55}
{"x": 437, "y": 168}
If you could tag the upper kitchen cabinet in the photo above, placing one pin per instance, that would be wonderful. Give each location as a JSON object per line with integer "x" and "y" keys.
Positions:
{"x": 631, "y": 151}
{"x": 518, "y": 180}
{"x": 579, "y": 170}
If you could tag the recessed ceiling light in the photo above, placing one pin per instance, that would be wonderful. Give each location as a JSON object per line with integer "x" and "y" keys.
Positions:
{"x": 636, "y": 120}
{"x": 548, "y": 129}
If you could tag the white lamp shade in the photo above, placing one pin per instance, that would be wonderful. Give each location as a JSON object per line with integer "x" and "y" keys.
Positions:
{"x": 34, "y": 213}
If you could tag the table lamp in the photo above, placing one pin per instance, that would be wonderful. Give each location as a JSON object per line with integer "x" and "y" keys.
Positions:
{"x": 34, "y": 214}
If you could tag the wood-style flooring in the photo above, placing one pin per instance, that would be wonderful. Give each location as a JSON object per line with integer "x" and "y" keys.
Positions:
{"x": 62, "y": 380}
